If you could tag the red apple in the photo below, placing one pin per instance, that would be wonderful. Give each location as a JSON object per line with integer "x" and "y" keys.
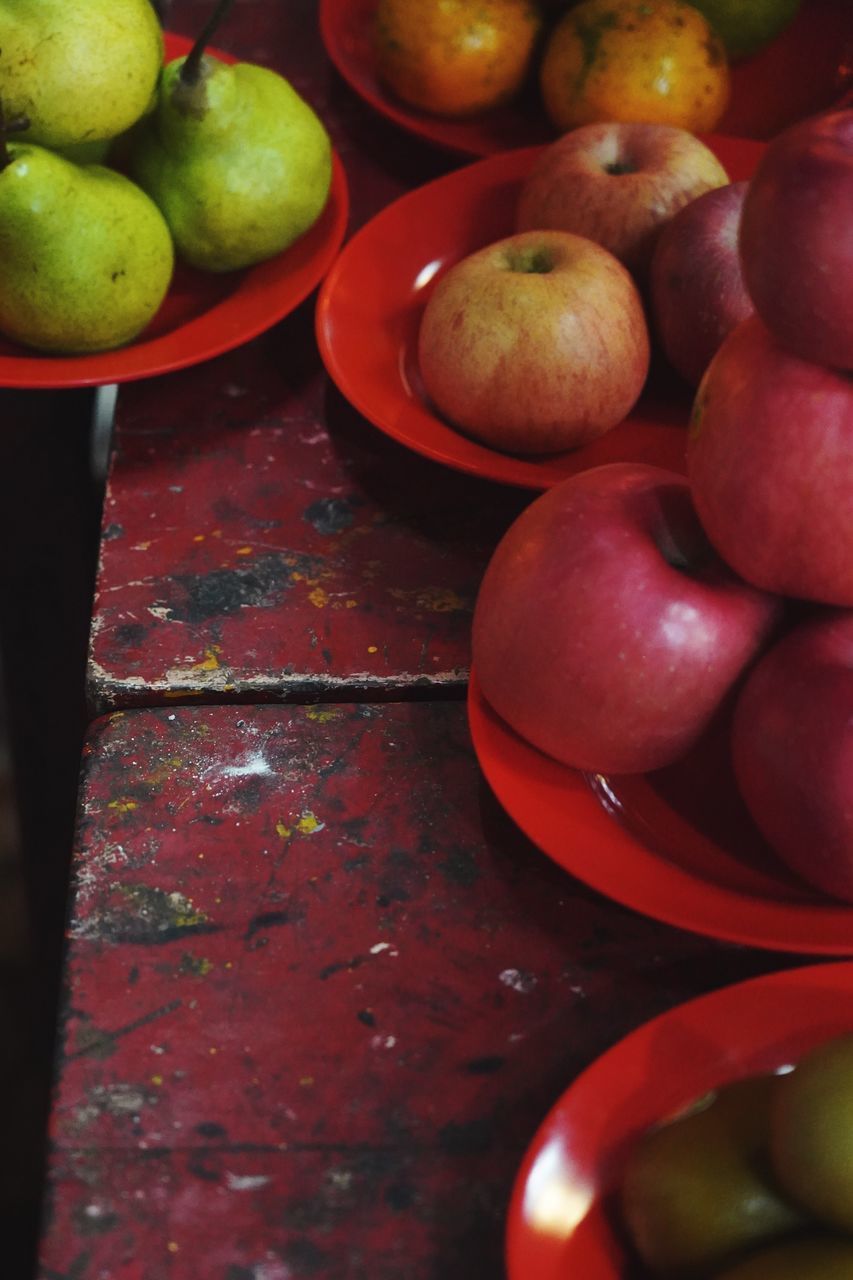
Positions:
{"x": 696, "y": 287}
{"x": 535, "y": 343}
{"x": 606, "y": 631}
{"x": 792, "y": 747}
{"x": 618, "y": 184}
{"x": 770, "y": 462}
{"x": 796, "y": 239}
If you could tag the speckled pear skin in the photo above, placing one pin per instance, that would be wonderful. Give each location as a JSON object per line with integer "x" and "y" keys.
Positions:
{"x": 239, "y": 164}
{"x": 85, "y": 256}
{"x": 79, "y": 71}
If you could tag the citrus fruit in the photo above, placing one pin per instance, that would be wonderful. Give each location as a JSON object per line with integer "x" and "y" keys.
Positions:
{"x": 696, "y": 1192}
{"x": 652, "y": 61}
{"x": 812, "y": 1258}
{"x": 454, "y": 57}
{"x": 812, "y": 1133}
{"x": 745, "y": 26}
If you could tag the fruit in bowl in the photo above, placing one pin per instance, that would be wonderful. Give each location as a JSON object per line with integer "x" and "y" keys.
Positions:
{"x": 535, "y": 343}
{"x": 696, "y": 290}
{"x": 658, "y": 62}
{"x": 453, "y": 58}
{"x": 771, "y": 467}
{"x": 792, "y": 748}
{"x": 617, "y": 183}
{"x": 796, "y": 239}
{"x": 607, "y": 632}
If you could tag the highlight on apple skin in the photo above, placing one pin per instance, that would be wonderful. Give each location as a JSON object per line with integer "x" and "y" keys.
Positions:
{"x": 607, "y": 632}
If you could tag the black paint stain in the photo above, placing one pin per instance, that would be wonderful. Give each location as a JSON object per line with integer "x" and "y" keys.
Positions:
{"x": 470, "y": 1138}
{"x": 130, "y": 633}
{"x": 367, "y": 1017}
{"x": 304, "y": 1257}
{"x": 340, "y": 966}
{"x": 265, "y": 920}
{"x": 210, "y": 1129}
{"x": 399, "y": 1196}
{"x": 460, "y": 867}
{"x": 330, "y": 515}
{"x": 486, "y": 1066}
{"x": 221, "y": 592}
{"x": 149, "y": 918}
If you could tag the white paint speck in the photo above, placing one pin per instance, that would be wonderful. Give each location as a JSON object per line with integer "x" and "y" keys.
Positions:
{"x": 253, "y": 766}
{"x": 383, "y": 1042}
{"x": 379, "y": 946}
{"x": 245, "y": 1181}
{"x": 518, "y": 980}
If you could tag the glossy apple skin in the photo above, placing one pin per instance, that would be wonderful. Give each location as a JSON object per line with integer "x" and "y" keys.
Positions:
{"x": 770, "y": 462}
{"x": 618, "y": 184}
{"x": 535, "y": 344}
{"x": 696, "y": 286}
{"x": 792, "y": 750}
{"x": 796, "y": 239}
{"x": 591, "y": 644}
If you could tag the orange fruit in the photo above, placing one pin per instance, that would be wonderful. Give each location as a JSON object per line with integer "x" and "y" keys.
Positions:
{"x": 651, "y": 61}
{"x": 454, "y": 57}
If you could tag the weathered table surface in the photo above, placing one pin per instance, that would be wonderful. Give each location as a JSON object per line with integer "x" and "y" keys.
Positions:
{"x": 319, "y": 994}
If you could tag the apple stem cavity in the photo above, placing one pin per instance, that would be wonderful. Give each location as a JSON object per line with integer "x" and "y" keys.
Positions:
{"x": 685, "y": 550}
{"x": 530, "y": 261}
{"x": 191, "y": 68}
{"x": 617, "y": 167}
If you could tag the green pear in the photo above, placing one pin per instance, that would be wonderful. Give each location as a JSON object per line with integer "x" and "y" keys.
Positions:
{"x": 237, "y": 161}
{"x": 80, "y": 70}
{"x": 85, "y": 256}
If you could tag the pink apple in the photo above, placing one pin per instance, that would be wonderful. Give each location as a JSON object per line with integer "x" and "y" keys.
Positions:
{"x": 618, "y": 184}
{"x": 792, "y": 746}
{"x": 770, "y": 462}
{"x": 536, "y": 343}
{"x": 606, "y": 632}
{"x": 696, "y": 287}
{"x": 796, "y": 239}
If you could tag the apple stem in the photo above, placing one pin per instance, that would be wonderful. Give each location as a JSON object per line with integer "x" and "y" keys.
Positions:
{"x": 191, "y": 68}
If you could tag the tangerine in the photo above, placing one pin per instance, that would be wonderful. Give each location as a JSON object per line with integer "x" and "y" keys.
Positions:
{"x": 650, "y": 61}
{"x": 455, "y": 57}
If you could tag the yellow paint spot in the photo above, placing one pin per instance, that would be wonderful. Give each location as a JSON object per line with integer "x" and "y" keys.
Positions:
{"x": 297, "y": 577}
{"x": 322, "y": 715}
{"x": 156, "y": 1079}
{"x": 199, "y": 537}
{"x": 318, "y": 597}
{"x": 244, "y": 551}
{"x": 229, "y": 964}
{"x": 217, "y": 533}
{"x": 172, "y": 1246}
{"x": 371, "y": 648}
{"x": 283, "y": 831}
{"x": 201, "y": 857}
{"x": 211, "y": 662}
{"x": 351, "y": 604}
{"x": 123, "y": 806}
{"x": 212, "y": 1050}
{"x": 309, "y": 823}
{"x": 306, "y": 1081}
{"x": 182, "y": 693}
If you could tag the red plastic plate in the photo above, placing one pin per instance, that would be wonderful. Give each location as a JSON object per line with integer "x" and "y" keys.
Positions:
{"x": 558, "y": 1227}
{"x": 370, "y": 304}
{"x": 203, "y": 314}
{"x": 799, "y": 73}
{"x": 677, "y": 845}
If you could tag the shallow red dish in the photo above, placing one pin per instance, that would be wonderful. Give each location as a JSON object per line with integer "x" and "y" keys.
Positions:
{"x": 370, "y": 304}
{"x": 677, "y": 844}
{"x": 799, "y": 73}
{"x": 558, "y": 1228}
{"x": 203, "y": 315}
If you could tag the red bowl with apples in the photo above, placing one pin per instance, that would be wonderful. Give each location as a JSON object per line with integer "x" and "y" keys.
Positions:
{"x": 800, "y": 72}
{"x": 677, "y": 844}
{"x": 560, "y": 1224}
{"x": 370, "y": 305}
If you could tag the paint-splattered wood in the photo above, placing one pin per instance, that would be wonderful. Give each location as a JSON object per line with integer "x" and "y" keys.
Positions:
{"x": 319, "y": 994}
{"x": 260, "y": 539}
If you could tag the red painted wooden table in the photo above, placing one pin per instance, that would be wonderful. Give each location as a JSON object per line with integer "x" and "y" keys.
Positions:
{"x": 320, "y": 992}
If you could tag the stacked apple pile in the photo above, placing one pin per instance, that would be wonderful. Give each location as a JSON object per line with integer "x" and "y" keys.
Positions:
{"x": 625, "y": 605}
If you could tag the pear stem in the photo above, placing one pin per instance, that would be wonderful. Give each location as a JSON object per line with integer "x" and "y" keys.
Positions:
{"x": 16, "y": 125}
{"x": 191, "y": 68}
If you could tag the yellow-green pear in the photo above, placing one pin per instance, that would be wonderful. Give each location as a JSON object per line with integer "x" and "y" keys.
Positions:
{"x": 79, "y": 70}
{"x": 237, "y": 161}
{"x": 85, "y": 256}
